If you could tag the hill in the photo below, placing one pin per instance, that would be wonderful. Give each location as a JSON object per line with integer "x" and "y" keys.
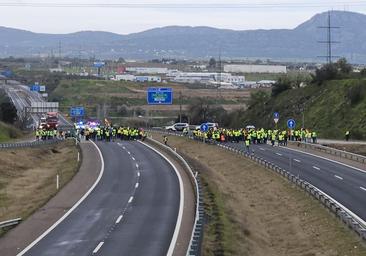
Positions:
{"x": 300, "y": 43}
{"x": 330, "y": 108}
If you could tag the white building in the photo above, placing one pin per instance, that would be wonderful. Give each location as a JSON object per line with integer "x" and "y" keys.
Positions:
{"x": 207, "y": 78}
{"x": 277, "y": 69}
{"x": 125, "y": 77}
{"x": 147, "y": 70}
{"x": 133, "y": 78}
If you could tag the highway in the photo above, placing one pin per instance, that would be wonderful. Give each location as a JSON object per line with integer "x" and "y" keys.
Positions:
{"x": 343, "y": 183}
{"x": 132, "y": 211}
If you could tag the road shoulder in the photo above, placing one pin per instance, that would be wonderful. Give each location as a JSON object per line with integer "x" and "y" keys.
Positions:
{"x": 29, "y": 230}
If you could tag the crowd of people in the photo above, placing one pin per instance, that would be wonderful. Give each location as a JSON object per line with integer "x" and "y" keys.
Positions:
{"x": 254, "y": 136}
{"x": 110, "y": 133}
{"x": 48, "y": 134}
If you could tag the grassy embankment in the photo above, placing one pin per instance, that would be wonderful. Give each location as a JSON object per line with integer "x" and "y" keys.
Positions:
{"x": 28, "y": 177}
{"x": 253, "y": 211}
{"x": 330, "y": 108}
{"x": 9, "y": 133}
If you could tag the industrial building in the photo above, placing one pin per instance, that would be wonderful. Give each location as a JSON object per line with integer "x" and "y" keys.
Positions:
{"x": 276, "y": 69}
{"x": 147, "y": 70}
{"x": 133, "y": 78}
{"x": 206, "y": 78}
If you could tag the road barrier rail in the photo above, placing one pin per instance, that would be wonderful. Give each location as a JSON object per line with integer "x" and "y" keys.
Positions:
{"x": 28, "y": 144}
{"x": 332, "y": 151}
{"x": 345, "y": 215}
{"x": 10, "y": 223}
{"x": 194, "y": 248}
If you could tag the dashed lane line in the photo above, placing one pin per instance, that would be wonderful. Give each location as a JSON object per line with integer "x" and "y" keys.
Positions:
{"x": 130, "y": 200}
{"x": 364, "y": 189}
{"x": 119, "y": 219}
{"x": 316, "y": 168}
{"x": 279, "y": 154}
{"x": 98, "y": 247}
{"x": 137, "y": 185}
{"x": 296, "y": 160}
{"x": 338, "y": 177}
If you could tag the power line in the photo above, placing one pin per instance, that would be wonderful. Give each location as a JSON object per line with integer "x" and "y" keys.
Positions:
{"x": 313, "y": 4}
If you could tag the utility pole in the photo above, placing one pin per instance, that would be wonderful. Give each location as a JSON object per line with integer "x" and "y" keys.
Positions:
{"x": 180, "y": 106}
{"x": 329, "y": 42}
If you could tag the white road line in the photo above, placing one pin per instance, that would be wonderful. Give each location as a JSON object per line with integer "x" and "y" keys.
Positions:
{"x": 130, "y": 200}
{"x": 279, "y": 154}
{"x": 124, "y": 147}
{"x": 364, "y": 189}
{"x": 181, "y": 202}
{"x": 262, "y": 149}
{"x": 133, "y": 159}
{"x": 138, "y": 174}
{"x": 98, "y": 247}
{"x": 296, "y": 160}
{"x": 137, "y": 185}
{"x": 316, "y": 168}
{"x": 137, "y": 166}
{"x": 72, "y": 209}
{"x": 119, "y": 219}
{"x": 128, "y": 152}
{"x": 338, "y": 177}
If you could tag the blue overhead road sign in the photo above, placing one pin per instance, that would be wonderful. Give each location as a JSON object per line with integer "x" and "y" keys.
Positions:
{"x": 35, "y": 88}
{"x": 77, "y": 111}
{"x": 159, "y": 96}
{"x": 291, "y": 123}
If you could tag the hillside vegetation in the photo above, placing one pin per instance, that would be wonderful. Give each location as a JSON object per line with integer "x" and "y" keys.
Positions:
{"x": 329, "y": 104}
{"x": 9, "y": 132}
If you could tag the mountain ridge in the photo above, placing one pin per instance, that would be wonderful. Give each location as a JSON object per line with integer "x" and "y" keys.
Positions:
{"x": 300, "y": 43}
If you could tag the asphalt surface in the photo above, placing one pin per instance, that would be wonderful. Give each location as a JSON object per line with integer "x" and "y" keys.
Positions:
{"x": 345, "y": 184}
{"x": 132, "y": 211}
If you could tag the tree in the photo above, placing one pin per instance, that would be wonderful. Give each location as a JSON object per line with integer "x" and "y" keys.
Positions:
{"x": 8, "y": 112}
{"x": 212, "y": 63}
{"x": 343, "y": 66}
{"x": 282, "y": 84}
{"x": 325, "y": 73}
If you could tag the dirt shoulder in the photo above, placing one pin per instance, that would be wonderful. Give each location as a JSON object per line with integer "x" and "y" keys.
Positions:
{"x": 32, "y": 180}
{"x": 253, "y": 211}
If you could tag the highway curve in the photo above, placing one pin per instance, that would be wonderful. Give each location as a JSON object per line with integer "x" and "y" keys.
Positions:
{"x": 132, "y": 211}
{"x": 343, "y": 183}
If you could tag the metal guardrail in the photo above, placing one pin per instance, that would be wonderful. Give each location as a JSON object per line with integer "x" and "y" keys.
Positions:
{"x": 344, "y": 214}
{"x": 28, "y": 144}
{"x": 10, "y": 223}
{"x": 194, "y": 248}
{"x": 332, "y": 151}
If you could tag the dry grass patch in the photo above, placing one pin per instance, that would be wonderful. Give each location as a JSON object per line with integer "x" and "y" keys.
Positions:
{"x": 253, "y": 211}
{"x": 28, "y": 177}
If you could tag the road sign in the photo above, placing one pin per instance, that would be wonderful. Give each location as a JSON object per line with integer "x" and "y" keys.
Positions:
{"x": 204, "y": 127}
{"x": 42, "y": 88}
{"x": 35, "y": 88}
{"x": 77, "y": 111}
{"x": 99, "y": 64}
{"x": 276, "y": 117}
{"x": 159, "y": 96}
{"x": 291, "y": 123}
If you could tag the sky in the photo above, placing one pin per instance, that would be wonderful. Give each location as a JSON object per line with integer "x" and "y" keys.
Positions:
{"x": 124, "y": 17}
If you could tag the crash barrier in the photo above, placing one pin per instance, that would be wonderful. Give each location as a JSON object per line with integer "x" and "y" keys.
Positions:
{"x": 332, "y": 151}
{"x": 28, "y": 144}
{"x": 345, "y": 215}
{"x": 10, "y": 223}
{"x": 194, "y": 248}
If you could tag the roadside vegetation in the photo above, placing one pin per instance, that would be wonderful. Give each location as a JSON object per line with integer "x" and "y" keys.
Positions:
{"x": 28, "y": 177}
{"x": 252, "y": 211}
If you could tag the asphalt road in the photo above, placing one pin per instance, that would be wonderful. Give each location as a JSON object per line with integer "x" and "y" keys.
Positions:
{"x": 132, "y": 211}
{"x": 345, "y": 184}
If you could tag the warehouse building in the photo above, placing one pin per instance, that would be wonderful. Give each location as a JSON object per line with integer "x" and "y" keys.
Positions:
{"x": 276, "y": 69}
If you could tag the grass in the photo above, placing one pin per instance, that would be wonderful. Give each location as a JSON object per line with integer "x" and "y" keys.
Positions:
{"x": 9, "y": 132}
{"x": 252, "y": 211}
{"x": 28, "y": 177}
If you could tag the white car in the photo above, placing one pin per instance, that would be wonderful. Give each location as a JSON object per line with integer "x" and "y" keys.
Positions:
{"x": 177, "y": 127}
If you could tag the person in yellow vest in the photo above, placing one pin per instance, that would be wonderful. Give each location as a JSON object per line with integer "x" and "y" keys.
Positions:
{"x": 347, "y": 135}
{"x": 165, "y": 140}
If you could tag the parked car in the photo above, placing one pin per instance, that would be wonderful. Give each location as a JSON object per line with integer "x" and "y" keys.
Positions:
{"x": 210, "y": 126}
{"x": 177, "y": 127}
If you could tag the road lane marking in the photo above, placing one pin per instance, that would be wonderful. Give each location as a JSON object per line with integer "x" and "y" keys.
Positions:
{"x": 262, "y": 149}
{"x": 296, "y": 160}
{"x": 338, "y": 177}
{"x": 128, "y": 152}
{"x": 72, "y": 209}
{"x": 119, "y": 219}
{"x": 137, "y": 185}
{"x": 279, "y": 154}
{"x": 133, "y": 159}
{"x": 364, "y": 189}
{"x": 130, "y": 200}
{"x": 138, "y": 174}
{"x": 124, "y": 147}
{"x": 316, "y": 168}
{"x": 98, "y": 247}
{"x": 137, "y": 166}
